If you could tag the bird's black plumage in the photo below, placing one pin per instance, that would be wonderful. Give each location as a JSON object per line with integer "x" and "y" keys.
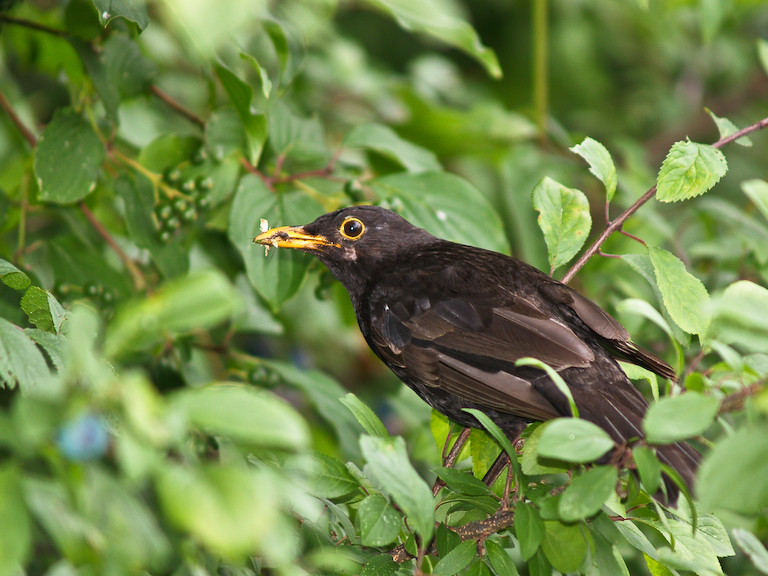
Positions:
{"x": 451, "y": 320}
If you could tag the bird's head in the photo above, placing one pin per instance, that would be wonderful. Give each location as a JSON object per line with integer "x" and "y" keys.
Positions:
{"x": 354, "y": 241}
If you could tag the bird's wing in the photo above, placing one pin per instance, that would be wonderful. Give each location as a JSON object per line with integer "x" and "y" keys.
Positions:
{"x": 468, "y": 347}
{"x": 606, "y": 326}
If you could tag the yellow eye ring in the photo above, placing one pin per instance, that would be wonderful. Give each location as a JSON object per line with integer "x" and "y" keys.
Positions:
{"x": 352, "y": 228}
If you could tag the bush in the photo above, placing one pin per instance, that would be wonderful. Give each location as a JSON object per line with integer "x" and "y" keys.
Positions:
{"x": 172, "y": 399}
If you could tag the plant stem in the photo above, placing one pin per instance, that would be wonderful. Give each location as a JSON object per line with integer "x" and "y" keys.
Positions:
{"x": 540, "y": 66}
{"x": 25, "y": 132}
{"x": 177, "y": 106}
{"x": 619, "y": 221}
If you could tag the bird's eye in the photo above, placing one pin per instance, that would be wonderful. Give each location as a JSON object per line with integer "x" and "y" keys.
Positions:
{"x": 352, "y": 228}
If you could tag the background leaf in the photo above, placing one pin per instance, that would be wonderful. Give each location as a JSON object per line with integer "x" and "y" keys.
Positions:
{"x": 679, "y": 417}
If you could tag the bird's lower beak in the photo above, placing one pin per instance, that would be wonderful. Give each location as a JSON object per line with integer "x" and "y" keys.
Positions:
{"x": 292, "y": 237}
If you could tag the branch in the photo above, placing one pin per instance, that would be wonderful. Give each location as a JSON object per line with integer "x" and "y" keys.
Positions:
{"x": 735, "y": 401}
{"x": 138, "y": 278}
{"x": 619, "y": 221}
{"x": 177, "y": 106}
{"x": 34, "y": 25}
{"x": 8, "y": 109}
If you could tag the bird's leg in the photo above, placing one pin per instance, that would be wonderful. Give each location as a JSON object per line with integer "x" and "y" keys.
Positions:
{"x": 450, "y": 459}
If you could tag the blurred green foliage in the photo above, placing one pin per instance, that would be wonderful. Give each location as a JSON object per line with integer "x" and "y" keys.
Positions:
{"x": 174, "y": 402}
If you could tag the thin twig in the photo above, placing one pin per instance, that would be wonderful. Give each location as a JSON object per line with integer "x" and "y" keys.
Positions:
{"x": 735, "y": 401}
{"x": 34, "y": 25}
{"x": 451, "y": 457}
{"x": 139, "y": 281}
{"x": 619, "y": 221}
{"x": 177, "y": 106}
{"x": 8, "y": 109}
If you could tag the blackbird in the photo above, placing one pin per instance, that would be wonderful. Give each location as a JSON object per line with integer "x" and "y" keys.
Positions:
{"x": 451, "y": 320}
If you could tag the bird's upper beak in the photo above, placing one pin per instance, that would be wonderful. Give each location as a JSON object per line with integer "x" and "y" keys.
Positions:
{"x": 292, "y": 237}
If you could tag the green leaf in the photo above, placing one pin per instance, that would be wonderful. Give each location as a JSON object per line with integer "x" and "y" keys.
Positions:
{"x": 229, "y": 410}
{"x": 16, "y": 528}
{"x": 529, "y": 529}
{"x": 503, "y": 440}
{"x": 43, "y": 310}
{"x": 379, "y": 522}
{"x": 435, "y": 18}
{"x": 689, "y": 170}
{"x": 462, "y": 482}
{"x": 289, "y": 50}
{"x": 67, "y": 158}
{"x": 138, "y": 197}
{"x": 586, "y": 494}
{"x": 266, "y": 84}
{"x": 255, "y": 123}
{"x": 499, "y": 558}
{"x": 726, "y": 128}
{"x": 295, "y": 136}
{"x": 457, "y": 559}
{"x": 757, "y": 191}
{"x": 365, "y": 416}
{"x": 230, "y": 509}
{"x": 380, "y": 565}
{"x": 530, "y": 460}
{"x": 132, "y": 10}
{"x": 437, "y": 201}
{"x": 685, "y": 297}
{"x": 679, "y": 417}
{"x": 648, "y": 467}
{"x": 555, "y": 377}
{"x": 564, "y": 546}
{"x": 389, "y": 466}
{"x": 657, "y": 568}
{"x": 278, "y": 276}
{"x": 752, "y": 547}
{"x": 573, "y": 440}
{"x": 126, "y": 67}
{"x": 740, "y": 316}
{"x": 385, "y": 141}
{"x": 734, "y": 474}
{"x": 21, "y": 362}
{"x": 195, "y": 302}
{"x": 762, "y": 53}
{"x": 600, "y": 164}
{"x": 331, "y": 479}
{"x": 564, "y": 219}
{"x": 12, "y": 276}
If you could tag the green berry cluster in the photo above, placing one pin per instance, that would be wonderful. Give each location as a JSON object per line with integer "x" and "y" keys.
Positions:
{"x": 189, "y": 197}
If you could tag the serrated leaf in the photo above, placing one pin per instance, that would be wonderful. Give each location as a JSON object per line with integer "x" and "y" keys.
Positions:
{"x": 255, "y": 123}
{"x": 726, "y": 128}
{"x": 385, "y": 141}
{"x": 740, "y": 316}
{"x": 365, "y": 416}
{"x": 500, "y": 560}
{"x": 586, "y": 494}
{"x": 229, "y": 410}
{"x": 529, "y": 529}
{"x": 67, "y": 158}
{"x": 434, "y": 18}
{"x": 43, "y": 310}
{"x": 193, "y": 302}
{"x": 133, "y": 10}
{"x": 600, "y": 164}
{"x": 379, "y": 522}
{"x": 573, "y": 440}
{"x": 689, "y": 170}
{"x": 685, "y": 297}
{"x": 679, "y": 417}
{"x": 12, "y": 276}
{"x": 564, "y": 219}
{"x": 437, "y": 201}
{"x": 332, "y": 479}
{"x": 276, "y": 277}
{"x": 456, "y": 559}
{"x": 21, "y": 362}
{"x": 462, "y": 482}
{"x": 389, "y": 466}
{"x": 757, "y": 191}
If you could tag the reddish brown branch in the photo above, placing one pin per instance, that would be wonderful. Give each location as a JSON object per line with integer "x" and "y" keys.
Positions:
{"x": 8, "y": 109}
{"x": 177, "y": 106}
{"x": 451, "y": 457}
{"x": 619, "y": 221}
{"x": 33, "y": 25}
{"x": 138, "y": 278}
